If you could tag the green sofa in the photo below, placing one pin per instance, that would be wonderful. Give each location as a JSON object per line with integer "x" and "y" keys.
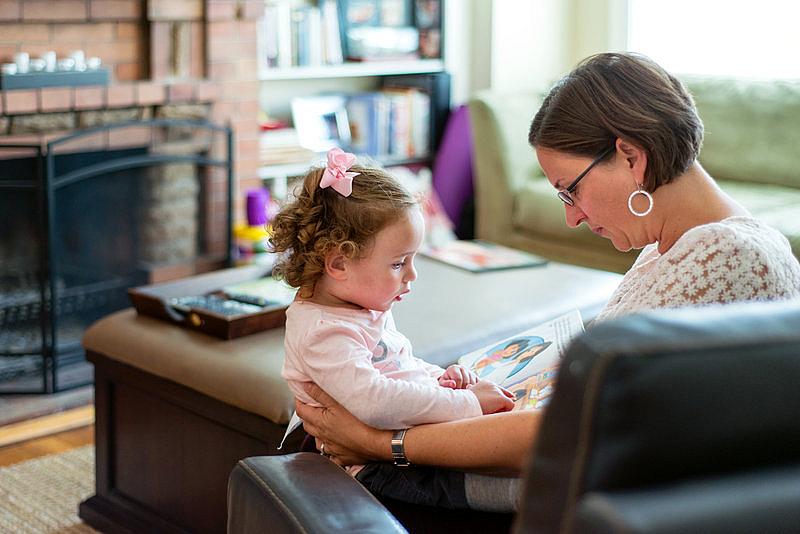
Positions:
{"x": 751, "y": 147}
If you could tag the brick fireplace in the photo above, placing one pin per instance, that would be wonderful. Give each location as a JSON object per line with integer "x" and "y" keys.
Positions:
{"x": 168, "y": 59}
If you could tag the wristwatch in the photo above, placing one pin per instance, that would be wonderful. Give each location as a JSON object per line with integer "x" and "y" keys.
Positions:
{"x": 398, "y": 449}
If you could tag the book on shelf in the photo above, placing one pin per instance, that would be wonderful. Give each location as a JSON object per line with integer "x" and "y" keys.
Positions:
{"x": 298, "y": 35}
{"x": 364, "y": 113}
{"x": 331, "y": 33}
{"x": 527, "y": 363}
{"x": 436, "y": 88}
{"x": 275, "y": 36}
{"x": 399, "y": 124}
{"x": 479, "y": 256}
{"x": 393, "y": 122}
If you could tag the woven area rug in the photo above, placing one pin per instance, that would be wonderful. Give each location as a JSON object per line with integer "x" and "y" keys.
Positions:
{"x": 42, "y": 495}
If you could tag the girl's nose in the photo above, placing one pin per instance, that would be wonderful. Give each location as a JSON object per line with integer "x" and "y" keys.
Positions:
{"x": 411, "y": 272}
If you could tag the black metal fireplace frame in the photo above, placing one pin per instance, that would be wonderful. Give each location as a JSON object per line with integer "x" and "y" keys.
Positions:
{"x": 47, "y": 182}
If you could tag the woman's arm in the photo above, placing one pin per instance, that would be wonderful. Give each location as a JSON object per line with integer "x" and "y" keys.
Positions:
{"x": 497, "y": 443}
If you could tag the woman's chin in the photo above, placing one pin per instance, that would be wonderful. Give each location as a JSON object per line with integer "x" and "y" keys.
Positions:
{"x": 622, "y": 246}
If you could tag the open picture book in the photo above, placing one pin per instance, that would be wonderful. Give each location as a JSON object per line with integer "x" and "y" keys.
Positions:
{"x": 527, "y": 363}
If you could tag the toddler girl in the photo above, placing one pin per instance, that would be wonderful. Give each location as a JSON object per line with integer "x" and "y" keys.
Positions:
{"x": 350, "y": 238}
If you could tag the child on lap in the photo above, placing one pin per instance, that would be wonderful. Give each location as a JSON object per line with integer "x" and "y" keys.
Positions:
{"x": 350, "y": 238}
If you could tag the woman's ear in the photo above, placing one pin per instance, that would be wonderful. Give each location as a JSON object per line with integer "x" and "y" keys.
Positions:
{"x": 336, "y": 264}
{"x": 635, "y": 159}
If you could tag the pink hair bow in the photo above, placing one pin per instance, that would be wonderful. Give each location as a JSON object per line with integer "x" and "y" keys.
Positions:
{"x": 336, "y": 174}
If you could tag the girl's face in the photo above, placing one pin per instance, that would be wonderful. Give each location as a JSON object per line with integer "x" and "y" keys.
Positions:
{"x": 601, "y": 197}
{"x": 381, "y": 278}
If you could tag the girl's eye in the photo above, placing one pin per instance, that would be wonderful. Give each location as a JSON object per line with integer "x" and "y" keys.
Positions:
{"x": 399, "y": 265}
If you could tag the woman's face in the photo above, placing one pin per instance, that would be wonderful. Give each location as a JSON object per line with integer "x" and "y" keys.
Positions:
{"x": 600, "y": 198}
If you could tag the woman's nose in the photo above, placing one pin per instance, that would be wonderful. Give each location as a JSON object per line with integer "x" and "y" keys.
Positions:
{"x": 574, "y": 215}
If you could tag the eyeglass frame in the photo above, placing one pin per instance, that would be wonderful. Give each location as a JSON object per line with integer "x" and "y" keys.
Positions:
{"x": 564, "y": 194}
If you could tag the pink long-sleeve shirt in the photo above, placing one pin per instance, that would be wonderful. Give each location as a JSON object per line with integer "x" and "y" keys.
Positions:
{"x": 361, "y": 360}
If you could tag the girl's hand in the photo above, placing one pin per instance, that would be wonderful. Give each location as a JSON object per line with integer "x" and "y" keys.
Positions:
{"x": 458, "y": 377}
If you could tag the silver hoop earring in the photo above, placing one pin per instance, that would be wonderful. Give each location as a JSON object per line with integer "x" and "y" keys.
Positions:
{"x": 649, "y": 198}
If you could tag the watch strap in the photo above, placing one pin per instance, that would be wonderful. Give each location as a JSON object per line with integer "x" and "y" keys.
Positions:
{"x": 398, "y": 448}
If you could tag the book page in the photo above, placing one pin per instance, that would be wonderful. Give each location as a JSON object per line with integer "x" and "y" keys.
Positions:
{"x": 527, "y": 363}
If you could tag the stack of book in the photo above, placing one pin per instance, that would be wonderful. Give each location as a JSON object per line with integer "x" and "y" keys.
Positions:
{"x": 394, "y": 122}
{"x": 300, "y": 35}
{"x": 281, "y": 146}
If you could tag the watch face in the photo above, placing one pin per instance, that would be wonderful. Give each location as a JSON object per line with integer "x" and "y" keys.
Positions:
{"x": 398, "y": 452}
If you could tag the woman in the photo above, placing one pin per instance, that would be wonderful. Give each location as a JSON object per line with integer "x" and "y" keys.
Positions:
{"x": 618, "y": 138}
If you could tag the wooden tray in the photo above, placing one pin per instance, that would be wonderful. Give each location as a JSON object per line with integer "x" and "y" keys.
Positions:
{"x": 155, "y": 301}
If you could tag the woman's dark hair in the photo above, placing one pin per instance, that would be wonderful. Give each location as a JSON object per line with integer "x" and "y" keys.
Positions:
{"x": 622, "y": 95}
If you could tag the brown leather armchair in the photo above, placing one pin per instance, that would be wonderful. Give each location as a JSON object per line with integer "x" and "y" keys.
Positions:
{"x": 666, "y": 422}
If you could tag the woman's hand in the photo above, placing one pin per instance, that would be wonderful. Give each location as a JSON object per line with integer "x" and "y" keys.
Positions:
{"x": 339, "y": 434}
{"x": 492, "y": 398}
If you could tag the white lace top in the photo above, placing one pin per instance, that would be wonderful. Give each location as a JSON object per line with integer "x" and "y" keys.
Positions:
{"x": 736, "y": 259}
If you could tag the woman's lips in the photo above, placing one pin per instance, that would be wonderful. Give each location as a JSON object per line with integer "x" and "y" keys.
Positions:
{"x": 598, "y": 230}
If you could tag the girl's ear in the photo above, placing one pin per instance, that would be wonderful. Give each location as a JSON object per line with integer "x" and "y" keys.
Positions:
{"x": 336, "y": 265}
{"x": 635, "y": 159}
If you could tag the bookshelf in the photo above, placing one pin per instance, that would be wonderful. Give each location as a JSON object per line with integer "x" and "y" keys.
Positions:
{"x": 283, "y": 81}
{"x": 353, "y": 69}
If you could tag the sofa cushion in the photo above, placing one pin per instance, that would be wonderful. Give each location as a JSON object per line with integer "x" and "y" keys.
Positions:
{"x": 538, "y": 210}
{"x": 752, "y": 130}
{"x": 776, "y": 205}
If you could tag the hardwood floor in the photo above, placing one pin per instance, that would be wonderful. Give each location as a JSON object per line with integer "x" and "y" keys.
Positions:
{"x": 51, "y": 444}
{"x": 46, "y": 425}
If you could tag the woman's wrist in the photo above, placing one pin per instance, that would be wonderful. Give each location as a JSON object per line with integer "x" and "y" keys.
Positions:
{"x": 381, "y": 446}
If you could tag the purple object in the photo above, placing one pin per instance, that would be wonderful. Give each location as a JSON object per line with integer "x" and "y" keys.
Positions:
{"x": 257, "y": 200}
{"x": 452, "y": 169}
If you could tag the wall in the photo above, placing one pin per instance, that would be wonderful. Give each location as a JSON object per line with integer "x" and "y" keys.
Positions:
{"x": 599, "y": 26}
{"x": 525, "y": 45}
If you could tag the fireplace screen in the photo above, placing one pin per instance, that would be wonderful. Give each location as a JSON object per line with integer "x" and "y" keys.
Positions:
{"x": 87, "y": 216}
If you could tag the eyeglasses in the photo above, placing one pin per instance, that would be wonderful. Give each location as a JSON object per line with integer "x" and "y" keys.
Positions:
{"x": 564, "y": 195}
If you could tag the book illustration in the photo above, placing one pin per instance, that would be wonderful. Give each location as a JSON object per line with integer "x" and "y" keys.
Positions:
{"x": 479, "y": 256}
{"x": 514, "y": 355}
{"x": 533, "y": 392}
{"x": 527, "y": 363}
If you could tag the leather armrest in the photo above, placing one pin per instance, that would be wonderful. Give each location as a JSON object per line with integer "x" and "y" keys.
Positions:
{"x": 302, "y": 492}
{"x": 765, "y": 501}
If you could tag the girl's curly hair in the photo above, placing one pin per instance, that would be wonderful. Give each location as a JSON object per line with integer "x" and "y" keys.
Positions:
{"x": 320, "y": 220}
